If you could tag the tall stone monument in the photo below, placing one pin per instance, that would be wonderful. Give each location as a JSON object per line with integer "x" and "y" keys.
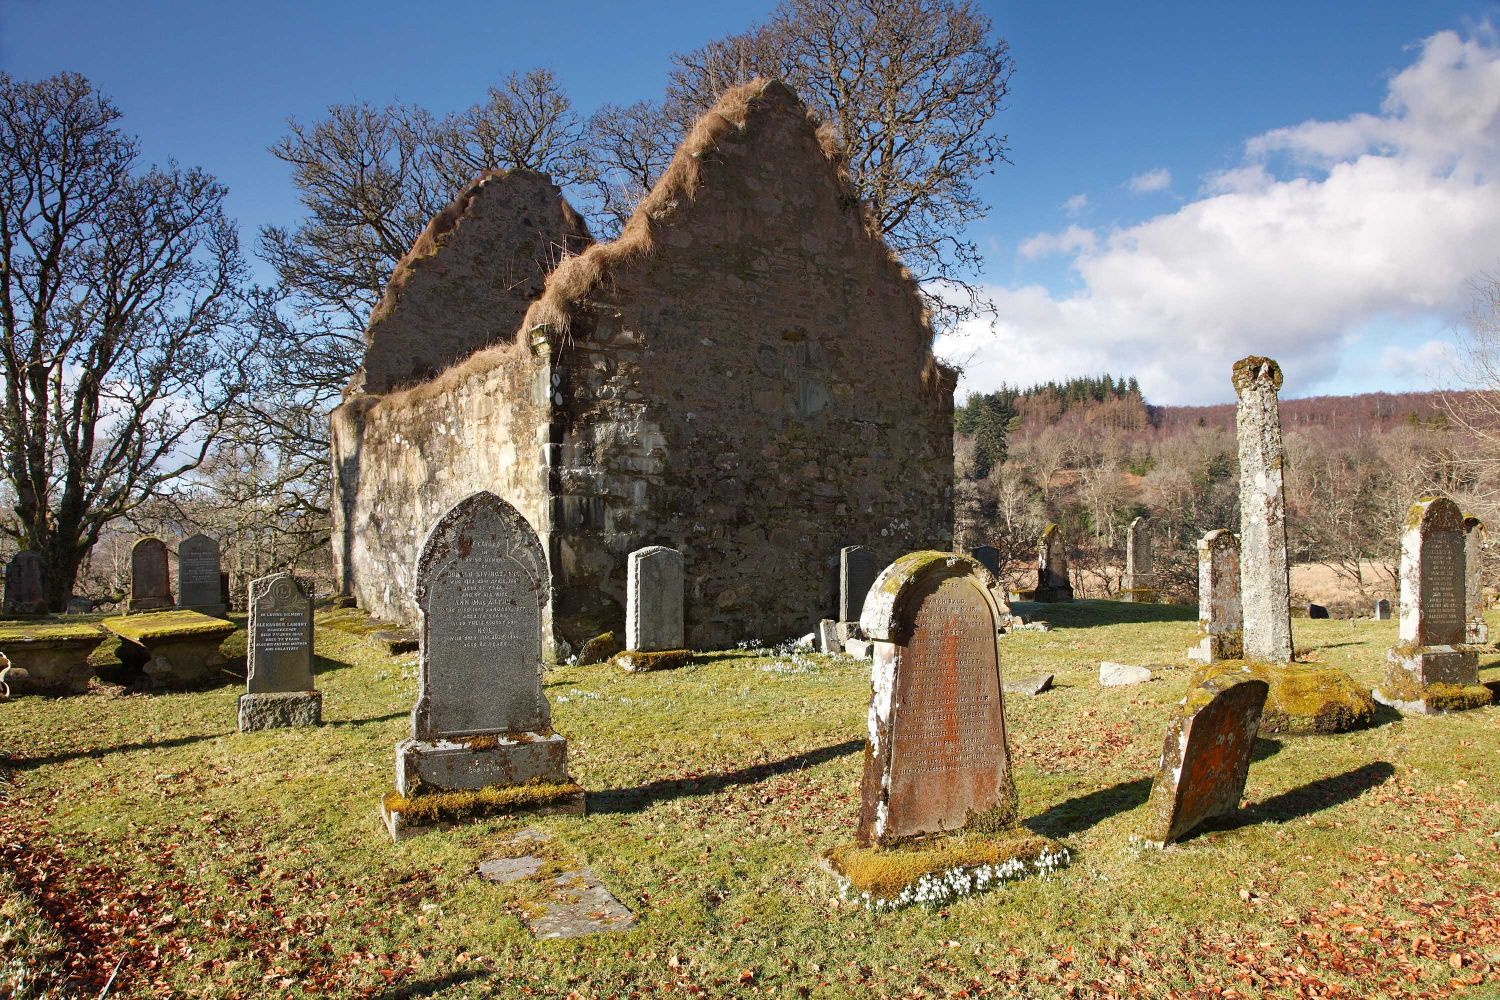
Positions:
{"x": 26, "y": 584}
{"x": 481, "y": 724}
{"x": 1139, "y": 584}
{"x": 1206, "y": 757}
{"x": 150, "y": 576}
{"x": 1431, "y": 669}
{"x": 1476, "y": 629}
{"x": 1052, "y": 581}
{"x": 654, "y": 600}
{"x": 1265, "y": 583}
{"x": 279, "y": 686}
{"x": 198, "y": 578}
{"x": 1219, "y": 622}
{"x": 936, "y": 760}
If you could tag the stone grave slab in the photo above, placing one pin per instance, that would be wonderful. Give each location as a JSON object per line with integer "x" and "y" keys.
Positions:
{"x": 1122, "y": 674}
{"x": 174, "y": 649}
{"x": 49, "y": 658}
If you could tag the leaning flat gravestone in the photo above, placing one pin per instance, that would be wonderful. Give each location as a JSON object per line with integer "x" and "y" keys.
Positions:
{"x": 1430, "y": 652}
{"x": 199, "y": 587}
{"x": 1477, "y": 630}
{"x": 1052, "y": 582}
{"x": 937, "y": 758}
{"x": 1219, "y": 622}
{"x": 653, "y": 600}
{"x": 481, "y": 723}
{"x": 856, "y": 573}
{"x": 1139, "y": 584}
{"x": 279, "y": 689}
{"x": 26, "y": 584}
{"x": 1206, "y": 757}
{"x": 150, "y": 578}
{"x": 1265, "y": 582}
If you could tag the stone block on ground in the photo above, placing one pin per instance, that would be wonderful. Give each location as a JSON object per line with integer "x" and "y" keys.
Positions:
{"x": 828, "y": 639}
{"x": 636, "y": 662}
{"x": 1303, "y": 698}
{"x": 280, "y": 710}
{"x": 599, "y": 649}
{"x": 860, "y": 649}
{"x": 1032, "y": 684}
{"x": 398, "y": 641}
{"x": 49, "y": 658}
{"x": 1122, "y": 674}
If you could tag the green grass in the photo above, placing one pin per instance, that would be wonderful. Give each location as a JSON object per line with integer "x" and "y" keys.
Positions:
{"x": 222, "y": 865}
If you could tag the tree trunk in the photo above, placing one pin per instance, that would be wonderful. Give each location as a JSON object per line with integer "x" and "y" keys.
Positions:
{"x": 62, "y": 558}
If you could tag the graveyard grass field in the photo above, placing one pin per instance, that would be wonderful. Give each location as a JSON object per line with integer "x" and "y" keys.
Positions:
{"x": 215, "y": 864}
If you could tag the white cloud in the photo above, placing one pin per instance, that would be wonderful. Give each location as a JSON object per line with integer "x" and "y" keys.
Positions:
{"x": 1074, "y": 239}
{"x": 1076, "y": 204}
{"x": 1152, "y": 180}
{"x": 1379, "y": 219}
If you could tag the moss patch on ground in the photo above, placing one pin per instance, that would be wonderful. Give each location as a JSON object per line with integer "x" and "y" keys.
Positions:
{"x": 159, "y": 625}
{"x": 48, "y": 632}
{"x": 437, "y": 807}
{"x": 1304, "y": 698}
{"x": 884, "y": 871}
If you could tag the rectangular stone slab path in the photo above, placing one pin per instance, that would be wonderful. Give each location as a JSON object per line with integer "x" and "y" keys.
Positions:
{"x": 579, "y": 903}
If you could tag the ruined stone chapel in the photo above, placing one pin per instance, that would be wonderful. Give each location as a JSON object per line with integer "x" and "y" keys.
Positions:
{"x": 745, "y": 375}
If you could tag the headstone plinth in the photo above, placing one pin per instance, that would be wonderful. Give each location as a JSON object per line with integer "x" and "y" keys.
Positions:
{"x": 150, "y": 577}
{"x": 482, "y": 739}
{"x": 1431, "y": 669}
{"x": 1052, "y": 581}
{"x": 1206, "y": 757}
{"x": 26, "y": 584}
{"x": 199, "y": 581}
{"x": 1220, "y": 635}
{"x": 279, "y": 685}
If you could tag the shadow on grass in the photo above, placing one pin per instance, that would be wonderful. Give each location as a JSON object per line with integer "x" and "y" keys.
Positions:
{"x": 1305, "y": 800}
{"x": 624, "y": 800}
{"x": 1086, "y": 614}
{"x": 1079, "y": 814}
{"x": 429, "y": 987}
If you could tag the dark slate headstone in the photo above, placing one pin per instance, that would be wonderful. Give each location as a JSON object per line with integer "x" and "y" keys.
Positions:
{"x": 150, "y": 576}
{"x": 1382, "y": 610}
{"x": 1206, "y": 757}
{"x": 937, "y": 758}
{"x": 987, "y": 556}
{"x": 856, "y": 574}
{"x": 279, "y": 689}
{"x": 26, "y": 584}
{"x": 1317, "y": 611}
{"x": 199, "y": 587}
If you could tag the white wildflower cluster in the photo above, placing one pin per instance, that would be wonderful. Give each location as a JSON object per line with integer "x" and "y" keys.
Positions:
{"x": 795, "y": 663}
{"x": 940, "y": 888}
{"x": 576, "y": 694}
{"x": 786, "y": 647}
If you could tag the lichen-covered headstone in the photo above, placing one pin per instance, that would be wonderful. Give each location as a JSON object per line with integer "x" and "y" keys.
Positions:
{"x": 481, "y": 721}
{"x": 279, "y": 686}
{"x": 150, "y": 576}
{"x": 199, "y": 582}
{"x": 1206, "y": 757}
{"x": 26, "y": 584}
{"x": 1430, "y": 667}
{"x": 1265, "y": 582}
{"x": 1219, "y": 623}
{"x": 654, "y": 600}
{"x": 936, "y": 758}
{"x": 1477, "y": 630}
{"x": 1139, "y": 583}
{"x": 987, "y": 556}
{"x": 1052, "y": 581}
{"x": 856, "y": 573}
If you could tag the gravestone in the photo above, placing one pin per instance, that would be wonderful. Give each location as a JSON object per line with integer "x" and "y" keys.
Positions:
{"x": 936, "y": 758}
{"x": 856, "y": 573}
{"x": 1265, "y": 582}
{"x": 653, "y": 600}
{"x": 1052, "y": 583}
{"x": 199, "y": 582}
{"x": 1219, "y": 623}
{"x": 1317, "y": 611}
{"x": 1139, "y": 583}
{"x": 828, "y": 636}
{"x": 481, "y": 720}
{"x": 26, "y": 584}
{"x": 987, "y": 556}
{"x": 279, "y": 686}
{"x": 1430, "y": 651}
{"x": 1382, "y": 610}
{"x": 1477, "y": 630}
{"x": 150, "y": 577}
{"x": 1206, "y": 757}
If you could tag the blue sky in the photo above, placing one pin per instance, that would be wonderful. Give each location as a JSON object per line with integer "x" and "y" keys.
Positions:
{"x": 1191, "y": 182}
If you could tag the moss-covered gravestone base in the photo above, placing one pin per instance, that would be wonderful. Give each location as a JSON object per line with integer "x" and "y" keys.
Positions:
{"x": 427, "y": 810}
{"x": 49, "y": 658}
{"x": 1401, "y": 692}
{"x": 1305, "y": 699}
{"x": 280, "y": 710}
{"x": 935, "y": 869}
{"x": 174, "y": 649}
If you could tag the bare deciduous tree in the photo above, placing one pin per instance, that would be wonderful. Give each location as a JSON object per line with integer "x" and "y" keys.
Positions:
{"x": 626, "y": 148}
{"x": 527, "y": 122}
{"x": 118, "y": 305}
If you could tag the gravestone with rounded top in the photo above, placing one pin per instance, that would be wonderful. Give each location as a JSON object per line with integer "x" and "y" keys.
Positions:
{"x": 654, "y": 600}
{"x": 936, "y": 759}
{"x": 856, "y": 572}
{"x": 1430, "y": 657}
{"x": 1052, "y": 581}
{"x": 150, "y": 576}
{"x": 279, "y": 686}
{"x": 1477, "y": 630}
{"x": 1265, "y": 581}
{"x": 1139, "y": 583}
{"x": 199, "y": 582}
{"x": 1219, "y": 621}
{"x": 26, "y": 584}
{"x": 481, "y": 720}
{"x": 1206, "y": 757}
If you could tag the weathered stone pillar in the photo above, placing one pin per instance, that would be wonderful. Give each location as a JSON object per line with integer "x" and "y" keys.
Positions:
{"x": 1220, "y": 627}
{"x": 1139, "y": 584}
{"x": 1476, "y": 629}
{"x": 1265, "y": 588}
